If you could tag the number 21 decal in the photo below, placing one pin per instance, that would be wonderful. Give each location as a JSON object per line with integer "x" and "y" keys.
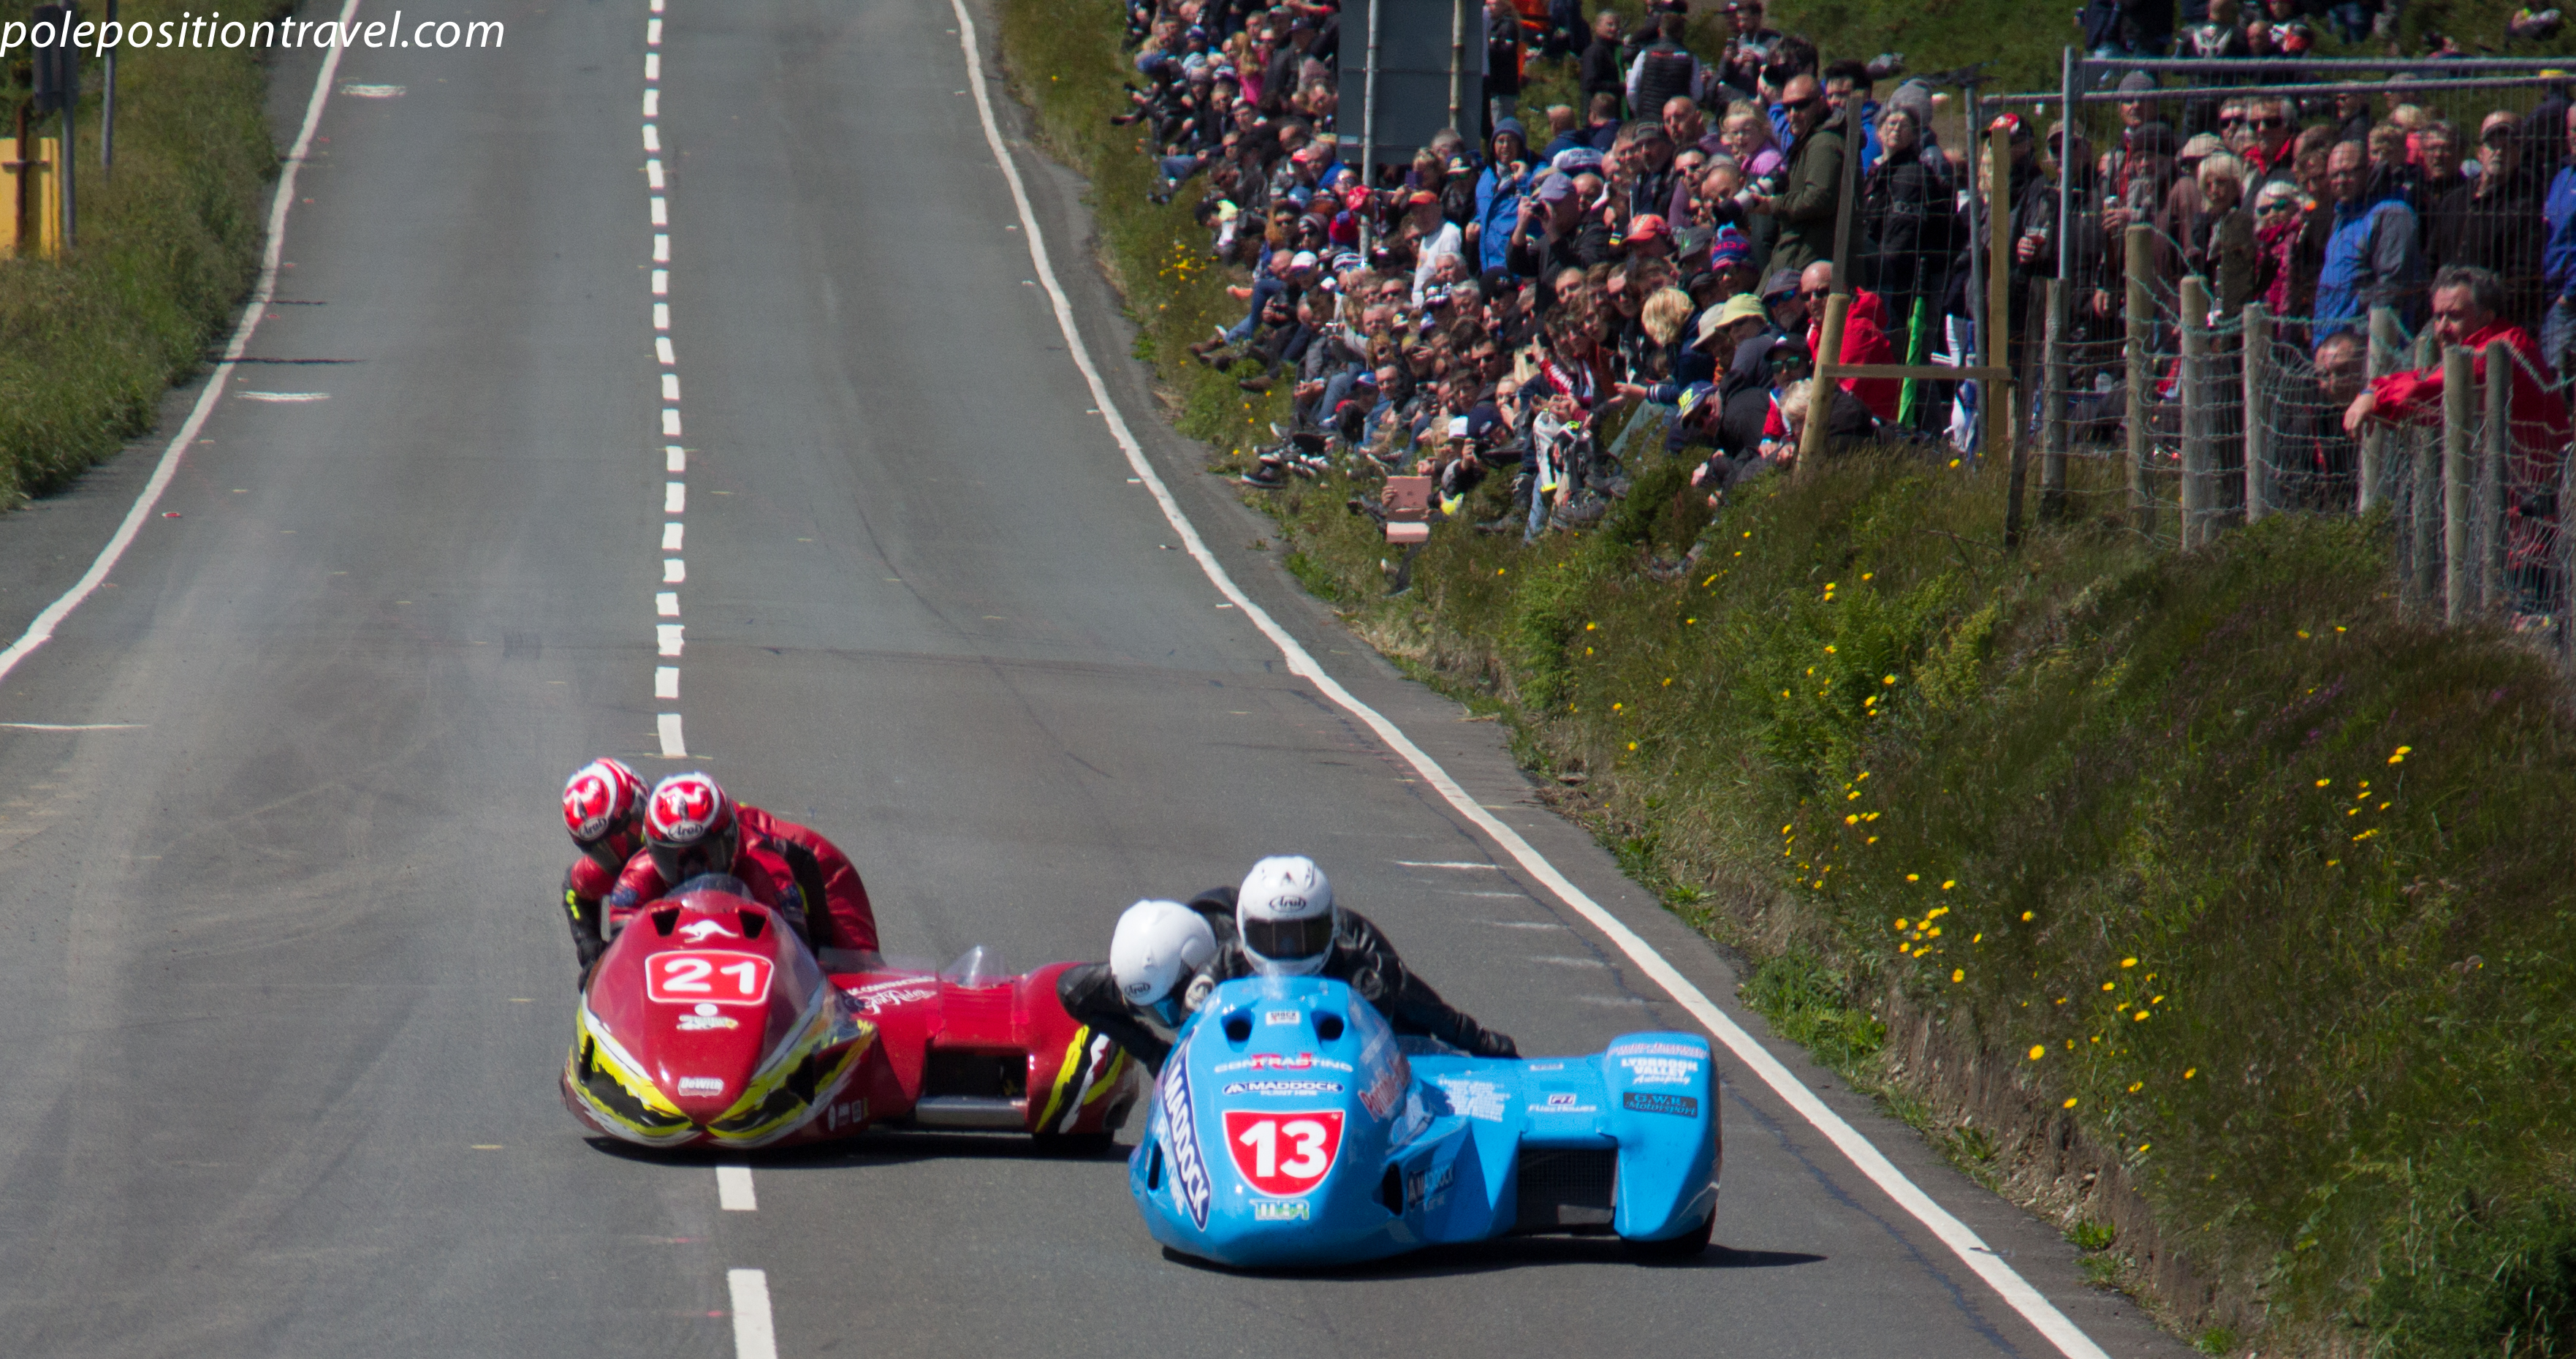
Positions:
{"x": 689, "y": 976}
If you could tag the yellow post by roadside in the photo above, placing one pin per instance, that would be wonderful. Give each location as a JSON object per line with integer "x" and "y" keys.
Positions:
{"x": 12, "y": 205}
{"x": 31, "y": 205}
{"x": 48, "y": 198}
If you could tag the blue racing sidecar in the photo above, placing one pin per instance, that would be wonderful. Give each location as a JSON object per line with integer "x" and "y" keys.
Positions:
{"x": 1290, "y": 1128}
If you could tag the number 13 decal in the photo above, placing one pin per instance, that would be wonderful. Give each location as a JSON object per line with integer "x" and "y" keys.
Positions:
{"x": 689, "y": 976}
{"x": 1283, "y": 1153}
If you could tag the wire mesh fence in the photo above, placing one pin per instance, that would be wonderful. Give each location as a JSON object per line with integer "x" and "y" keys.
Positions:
{"x": 2323, "y": 298}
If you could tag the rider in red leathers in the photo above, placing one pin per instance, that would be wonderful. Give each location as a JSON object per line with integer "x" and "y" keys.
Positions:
{"x": 691, "y": 827}
{"x": 603, "y": 805}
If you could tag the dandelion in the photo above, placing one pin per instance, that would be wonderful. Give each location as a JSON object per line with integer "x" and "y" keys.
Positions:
{"x": 2128, "y": 962}
{"x": 1501, "y": 569}
{"x": 2400, "y": 756}
{"x": 1900, "y": 922}
{"x": 1851, "y": 820}
{"x": 1958, "y": 974}
{"x": 2156, "y": 1000}
{"x": 1891, "y": 679}
{"x": 2323, "y": 782}
{"x": 2383, "y": 806}
{"x": 1784, "y": 830}
{"x": 2191, "y": 1071}
{"x": 1688, "y": 621}
{"x": 1871, "y": 840}
{"x": 1708, "y": 582}
{"x": 2332, "y": 862}
{"x": 2366, "y": 834}
{"x": 2141, "y": 1016}
{"x": 2070, "y": 1103}
{"x": 1852, "y": 797}
{"x": 1867, "y": 574}
{"x": 1632, "y": 745}
{"x": 2110, "y": 986}
{"x": 1590, "y": 626}
{"x": 2136, "y": 1086}
{"x": 1947, "y": 885}
{"x": 1668, "y": 682}
{"x": 2303, "y": 636}
{"x": 2026, "y": 915}
{"x": 1617, "y": 707}
{"x": 2142, "y": 1147}
{"x": 1829, "y": 650}
{"x": 2038, "y": 1050}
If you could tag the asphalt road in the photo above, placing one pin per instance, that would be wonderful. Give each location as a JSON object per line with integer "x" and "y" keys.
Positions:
{"x": 286, "y": 993}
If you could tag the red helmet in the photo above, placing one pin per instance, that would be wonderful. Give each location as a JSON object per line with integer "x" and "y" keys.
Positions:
{"x": 603, "y": 803}
{"x": 689, "y": 828}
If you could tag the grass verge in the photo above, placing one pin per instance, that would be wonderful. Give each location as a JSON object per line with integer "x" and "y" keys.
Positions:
{"x": 169, "y": 241}
{"x": 2219, "y": 867}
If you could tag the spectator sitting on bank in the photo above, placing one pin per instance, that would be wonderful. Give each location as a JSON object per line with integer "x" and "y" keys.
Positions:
{"x": 1864, "y": 339}
{"x": 2467, "y": 307}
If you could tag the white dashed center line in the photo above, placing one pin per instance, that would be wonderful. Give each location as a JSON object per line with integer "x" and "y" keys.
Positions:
{"x": 733, "y": 1189}
{"x": 753, "y": 1336}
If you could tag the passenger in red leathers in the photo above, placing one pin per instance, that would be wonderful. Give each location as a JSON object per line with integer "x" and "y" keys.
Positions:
{"x": 603, "y": 804}
{"x": 691, "y": 827}
{"x": 845, "y": 898}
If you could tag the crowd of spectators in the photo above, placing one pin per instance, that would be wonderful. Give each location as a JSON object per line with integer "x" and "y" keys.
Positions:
{"x": 1664, "y": 248}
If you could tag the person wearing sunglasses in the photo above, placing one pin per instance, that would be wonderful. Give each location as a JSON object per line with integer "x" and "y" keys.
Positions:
{"x": 1812, "y": 187}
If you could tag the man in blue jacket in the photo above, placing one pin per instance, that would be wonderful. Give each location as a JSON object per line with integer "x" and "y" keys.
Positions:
{"x": 2558, "y": 261}
{"x": 2371, "y": 257}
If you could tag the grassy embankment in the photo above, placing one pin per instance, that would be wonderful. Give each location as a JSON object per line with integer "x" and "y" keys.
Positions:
{"x": 2220, "y": 869}
{"x": 169, "y": 240}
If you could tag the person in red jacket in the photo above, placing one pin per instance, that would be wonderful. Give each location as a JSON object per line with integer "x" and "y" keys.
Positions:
{"x": 603, "y": 806}
{"x": 2467, "y": 310}
{"x": 691, "y": 827}
{"x": 1864, "y": 337}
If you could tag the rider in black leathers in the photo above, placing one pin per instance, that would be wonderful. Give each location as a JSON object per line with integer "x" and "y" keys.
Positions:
{"x": 1361, "y": 956}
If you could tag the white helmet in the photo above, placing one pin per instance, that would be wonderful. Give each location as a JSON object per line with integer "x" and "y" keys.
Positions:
{"x": 1285, "y": 916}
{"x": 1158, "y": 945}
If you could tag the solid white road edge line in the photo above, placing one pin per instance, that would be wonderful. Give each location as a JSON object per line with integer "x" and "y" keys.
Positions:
{"x": 2033, "y": 1305}
{"x": 753, "y": 1335}
{"x": 733, "y": 1189}
{"x": 41, "y": 630}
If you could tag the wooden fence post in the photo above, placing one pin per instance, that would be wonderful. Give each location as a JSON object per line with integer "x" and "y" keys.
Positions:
{"x": 2494, "y": 459}
{"x": 2052, "y": 463}
{"x": 2258, "y": 412}
{"x": 2380, "y": 356}
{"x": 2141, "y": 310}
{"x": 2425, "y": 499}
{"x": 2003, "y": 432}
{"x": 2197, "y": 418}
{"x": 2459, "y": 430}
